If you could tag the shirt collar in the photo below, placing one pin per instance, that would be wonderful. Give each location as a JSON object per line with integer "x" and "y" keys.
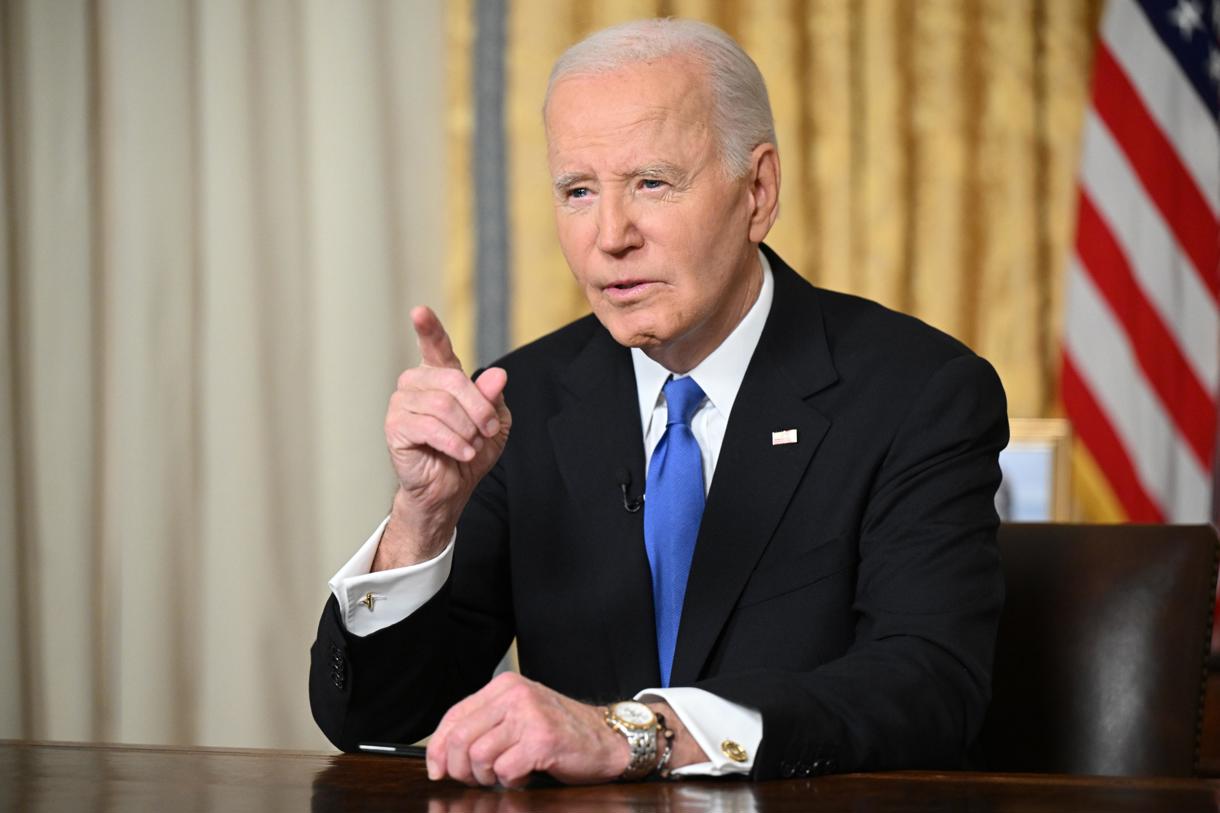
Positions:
{"x": 720, "y": 374}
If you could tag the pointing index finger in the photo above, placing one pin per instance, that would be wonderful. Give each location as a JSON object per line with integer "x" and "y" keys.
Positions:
{"x": 435, "y": 349}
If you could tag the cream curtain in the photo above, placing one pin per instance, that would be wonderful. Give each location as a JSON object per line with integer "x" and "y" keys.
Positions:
{"x": 216, "y": 214}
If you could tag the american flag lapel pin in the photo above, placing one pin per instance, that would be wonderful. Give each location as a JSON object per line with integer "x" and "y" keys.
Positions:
{"x": 783, "y": 438}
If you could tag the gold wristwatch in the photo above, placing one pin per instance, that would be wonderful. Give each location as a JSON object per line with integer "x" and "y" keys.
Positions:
{"x": 638, "y": 724}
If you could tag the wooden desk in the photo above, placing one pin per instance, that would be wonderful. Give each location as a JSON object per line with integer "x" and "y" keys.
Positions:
{"x": 42, "y": 778}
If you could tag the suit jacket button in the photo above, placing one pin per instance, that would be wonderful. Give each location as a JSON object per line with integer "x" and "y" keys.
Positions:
{"x": 785, "y": 769}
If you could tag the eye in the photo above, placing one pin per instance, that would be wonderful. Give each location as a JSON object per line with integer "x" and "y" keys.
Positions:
{"x": 579, "y": 192}
{"x": 652, "y": 183}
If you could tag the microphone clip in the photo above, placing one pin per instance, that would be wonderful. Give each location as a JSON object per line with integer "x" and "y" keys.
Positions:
{"x": 632, "y": 504}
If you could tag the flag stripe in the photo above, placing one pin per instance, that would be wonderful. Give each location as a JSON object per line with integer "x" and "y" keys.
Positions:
{"x": 1156, "y": 163}
{"x": 1163, "y": 272}
{"x": 1163, "y": 364}
{"x": 1099, "y": 437}
{"x": 1181, "y": 114}
{"x": 1191, "y": 52}
{"x": 1106, "y": 363}
{"x": 1141, "y": 346}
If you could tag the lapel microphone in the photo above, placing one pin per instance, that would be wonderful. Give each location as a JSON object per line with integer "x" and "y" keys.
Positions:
{"x": 632, "y": 504}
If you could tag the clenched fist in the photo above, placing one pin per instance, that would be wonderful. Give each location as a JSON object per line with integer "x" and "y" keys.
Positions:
{"x": 444, "y": 433}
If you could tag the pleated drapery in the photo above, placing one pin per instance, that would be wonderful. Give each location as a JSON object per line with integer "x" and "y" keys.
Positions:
{"x": 216, "y": 216}
{"x": 929, "y": 150}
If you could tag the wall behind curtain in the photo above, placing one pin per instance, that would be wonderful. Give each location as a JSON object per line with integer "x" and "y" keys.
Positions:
{"x": 929, "y": 152}
{"x": 216, "y": 214}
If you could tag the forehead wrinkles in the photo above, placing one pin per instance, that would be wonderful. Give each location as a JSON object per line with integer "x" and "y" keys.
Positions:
{"x": 642, "y": 134}
{"x": 667, "y": 101}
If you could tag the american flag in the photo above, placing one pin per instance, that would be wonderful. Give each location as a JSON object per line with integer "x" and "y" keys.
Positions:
{"x": 1141, "y": 351}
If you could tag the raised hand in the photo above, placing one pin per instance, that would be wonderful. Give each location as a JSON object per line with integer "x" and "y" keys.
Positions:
{"x": 444, "y": 433}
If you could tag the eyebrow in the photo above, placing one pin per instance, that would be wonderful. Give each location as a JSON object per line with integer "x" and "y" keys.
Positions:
{"x": 660, "y": 168}
{"x": 654, "y": 169}
{"x": 567, "y": 179}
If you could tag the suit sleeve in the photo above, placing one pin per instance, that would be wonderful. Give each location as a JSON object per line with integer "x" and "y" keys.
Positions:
{"x": 395, "y": 684}
{"x": 914, "y": 685}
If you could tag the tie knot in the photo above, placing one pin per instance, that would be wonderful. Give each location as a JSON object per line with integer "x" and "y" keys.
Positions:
{"x": 682, "y": 397}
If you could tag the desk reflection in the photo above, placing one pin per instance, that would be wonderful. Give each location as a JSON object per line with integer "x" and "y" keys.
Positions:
{"x": 57, "y": 778}
{"x": 334, "y": 790}
{"x": 672, "y": 797}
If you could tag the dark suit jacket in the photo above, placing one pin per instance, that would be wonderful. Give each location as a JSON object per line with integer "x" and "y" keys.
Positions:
{"x": 847, "y": 586}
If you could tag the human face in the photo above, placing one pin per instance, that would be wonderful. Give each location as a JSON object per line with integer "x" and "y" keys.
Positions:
{"x": 662, "y": 241}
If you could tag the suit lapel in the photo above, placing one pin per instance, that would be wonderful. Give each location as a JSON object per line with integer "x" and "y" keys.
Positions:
{"x": 597, "y": 434}
{"x": 754, "y": 479}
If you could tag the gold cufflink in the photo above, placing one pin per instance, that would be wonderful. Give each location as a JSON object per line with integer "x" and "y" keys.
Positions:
{"x": 733, "y": 751}
{"x": 369, "y": 600}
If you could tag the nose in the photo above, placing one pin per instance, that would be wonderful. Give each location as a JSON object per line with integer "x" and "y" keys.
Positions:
{"x": 616, "y": 229}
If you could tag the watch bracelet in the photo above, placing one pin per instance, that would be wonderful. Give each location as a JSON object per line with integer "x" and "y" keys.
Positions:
{"x": 643, "y": 757}
{"x": 665, "y": 731}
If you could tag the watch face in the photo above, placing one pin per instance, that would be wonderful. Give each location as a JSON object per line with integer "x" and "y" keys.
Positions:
{"x": 634, "y": 714}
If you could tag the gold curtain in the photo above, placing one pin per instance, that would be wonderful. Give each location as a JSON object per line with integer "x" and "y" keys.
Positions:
{"x": 929, "y": 153}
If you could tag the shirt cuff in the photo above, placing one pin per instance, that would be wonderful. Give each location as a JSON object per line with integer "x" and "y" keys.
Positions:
{"x": 369, "y": 602}
{"x": 712, "y": 720}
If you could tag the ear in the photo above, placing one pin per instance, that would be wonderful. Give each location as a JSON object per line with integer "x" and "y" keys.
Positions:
{"x": 763, "y": 179}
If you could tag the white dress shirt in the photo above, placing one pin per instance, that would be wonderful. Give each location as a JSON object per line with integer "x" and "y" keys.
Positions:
{"x": 710, "y": 719}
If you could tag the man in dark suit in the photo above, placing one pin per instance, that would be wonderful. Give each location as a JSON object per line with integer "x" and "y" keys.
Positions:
{"x": 812, "y": 584}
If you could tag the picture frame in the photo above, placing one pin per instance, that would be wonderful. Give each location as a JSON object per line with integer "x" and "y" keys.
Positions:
{"x": 1036, "y": 468}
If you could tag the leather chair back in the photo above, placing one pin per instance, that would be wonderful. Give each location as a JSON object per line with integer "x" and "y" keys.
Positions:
{"x": 1101, "y": 657}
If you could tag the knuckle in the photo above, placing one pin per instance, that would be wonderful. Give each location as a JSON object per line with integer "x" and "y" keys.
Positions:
{"x": 482, "y": 752}
{"x": 510, "y": 774}
{"x": 506, "y": 679}
{"x": 452, "y": 379}
{"x": 408, "y": 378}
{"x": 440, "y": 402}
{"x": 520, "y": 694}
{"x": 459, "y": 738}
{"x": 438, "y": 436}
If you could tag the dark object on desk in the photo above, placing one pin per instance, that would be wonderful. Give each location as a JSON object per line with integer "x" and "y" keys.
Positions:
{"x": 395, "y": 750}
{"x": 1101, "y": 657}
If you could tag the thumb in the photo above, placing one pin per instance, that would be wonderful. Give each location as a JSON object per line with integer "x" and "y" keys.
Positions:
{"x": 491, "y": 383}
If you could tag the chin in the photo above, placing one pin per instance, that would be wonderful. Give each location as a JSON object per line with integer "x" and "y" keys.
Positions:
{"x": 630, "y": 336}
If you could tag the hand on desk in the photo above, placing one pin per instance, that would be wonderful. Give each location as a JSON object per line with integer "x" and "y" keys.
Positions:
{"x": 444, "y": 433}
{"x": 513, "y": 727}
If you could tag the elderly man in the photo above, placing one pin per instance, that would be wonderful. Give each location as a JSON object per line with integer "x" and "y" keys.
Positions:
{"x": 812, "y": 583}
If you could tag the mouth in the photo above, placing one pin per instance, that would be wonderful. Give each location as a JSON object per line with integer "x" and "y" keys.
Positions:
{"x": 628, "y": 289}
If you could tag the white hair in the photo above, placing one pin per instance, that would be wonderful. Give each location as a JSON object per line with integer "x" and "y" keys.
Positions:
{"x": 741, "y": 111}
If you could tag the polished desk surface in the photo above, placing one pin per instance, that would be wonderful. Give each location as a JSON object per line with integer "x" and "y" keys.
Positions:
{"x": 40, "y": 778}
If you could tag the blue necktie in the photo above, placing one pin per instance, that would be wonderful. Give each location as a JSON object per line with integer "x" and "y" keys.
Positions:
{"x": 673, "y": 506}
